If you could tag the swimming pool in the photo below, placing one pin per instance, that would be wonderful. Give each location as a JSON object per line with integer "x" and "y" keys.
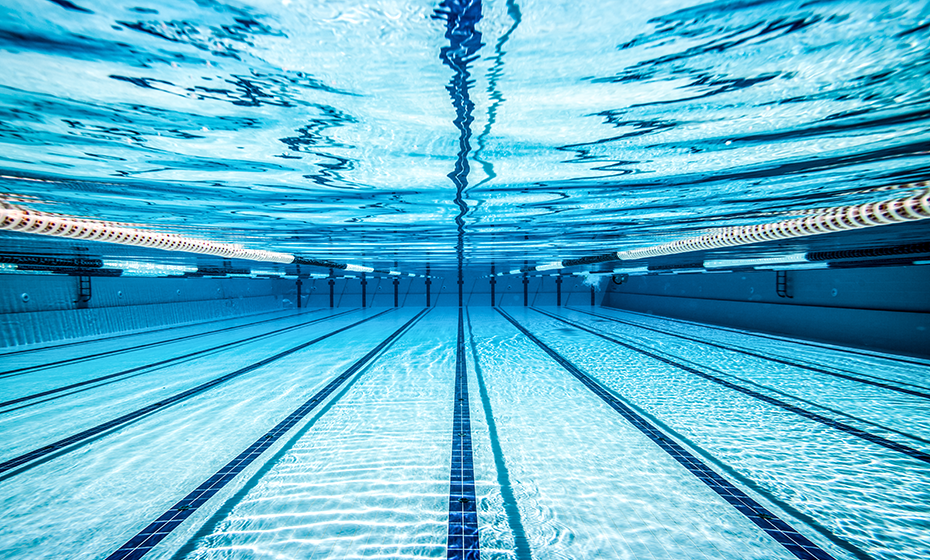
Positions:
{"x": 505, "y": 131}
{"x": 464, "y": 278}
{"x": 826, "y": 442}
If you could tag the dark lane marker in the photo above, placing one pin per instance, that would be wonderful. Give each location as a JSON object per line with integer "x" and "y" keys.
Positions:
{"x": 142, "y": 543}
{"x": 156, "y": 364}
{"x": 67, "y": 444}
{"x": 796, "y": 543}
{"x": 844, "y": 349}
{"x": 884, "y": 383}
{"x": 521, "y": 544}
{"x": 463, "y": 507}
{"x": 862, "y": 434}
{"x": 37, "y": 367}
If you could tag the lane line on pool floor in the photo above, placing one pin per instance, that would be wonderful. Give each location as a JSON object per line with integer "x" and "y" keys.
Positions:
{"x": 835, "y": 424}
{"x": 792, "y": 397}
{"x": 521, "y": 544}
{"x": 785, "y": 394}
{"x": 883, "y": 383}
{"x": 38, "y": 367}
{"x": 796, "y": 543}
{"x": 88, "y": 340}
{"x": 463, "y": 542}
{"x": 153, "y": 365}
{"x": 33, "y": 458}
{"x": 776, "y": 338}
{"x": 139, "y": 545}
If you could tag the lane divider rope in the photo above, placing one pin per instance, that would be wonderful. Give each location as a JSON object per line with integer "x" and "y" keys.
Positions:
{"x": 25, "y": 220}
{"x": 815, "y": 221}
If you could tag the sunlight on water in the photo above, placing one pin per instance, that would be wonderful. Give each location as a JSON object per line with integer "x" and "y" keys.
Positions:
{"x": 487, "y": 135}
{"x": 332, "y": 126}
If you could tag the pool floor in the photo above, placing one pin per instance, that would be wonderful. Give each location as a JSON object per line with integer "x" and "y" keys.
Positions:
{"x": 583, "y": 432}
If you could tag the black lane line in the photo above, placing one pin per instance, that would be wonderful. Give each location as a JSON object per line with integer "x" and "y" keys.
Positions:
{"x": 61, "y": 444}
{"x": 25, "y": 369}
{"x": 142, "y": 543}
{"x": 156, "y": 364}
{"x": 134, "y": 333}
{"x": 777, "y": 339}
{"x": 521, "y": 544}
{"x": 862, "y": 434}
{"x": 843, "y": 349}
{"x": 771, "y": 358}
{"x": 818, "y": 405}
{"x": 463, "y": 506}
{"x": 784, "y": 534}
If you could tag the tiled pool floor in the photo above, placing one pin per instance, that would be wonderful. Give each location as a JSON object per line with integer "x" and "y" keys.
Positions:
{"x": 412, "y": 433}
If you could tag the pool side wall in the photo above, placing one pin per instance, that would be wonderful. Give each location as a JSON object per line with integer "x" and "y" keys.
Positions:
{"x": 885, "y": 309}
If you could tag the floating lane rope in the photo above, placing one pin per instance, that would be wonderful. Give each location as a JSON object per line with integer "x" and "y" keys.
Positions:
{"x": 817, "y": 222}
{"x": 814, "y": 222}
{"x": 23, "y": 220}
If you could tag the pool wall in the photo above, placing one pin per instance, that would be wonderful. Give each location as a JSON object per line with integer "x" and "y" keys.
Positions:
{"x": 44, "y": 308}
{"x": 37, "y": 308}
{"x": 443, "y": 291}
{"x": 884, "y": 309}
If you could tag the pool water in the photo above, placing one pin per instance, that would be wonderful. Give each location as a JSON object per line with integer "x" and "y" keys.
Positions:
{"x": 472, "y": 132}
{"x": 557, "y": 472}
{"x": 455, "y": 140}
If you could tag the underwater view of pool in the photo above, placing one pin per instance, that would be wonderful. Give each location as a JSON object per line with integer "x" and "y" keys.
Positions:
{"x": 629, "y": 320}
{"x": 591, "y": 433}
